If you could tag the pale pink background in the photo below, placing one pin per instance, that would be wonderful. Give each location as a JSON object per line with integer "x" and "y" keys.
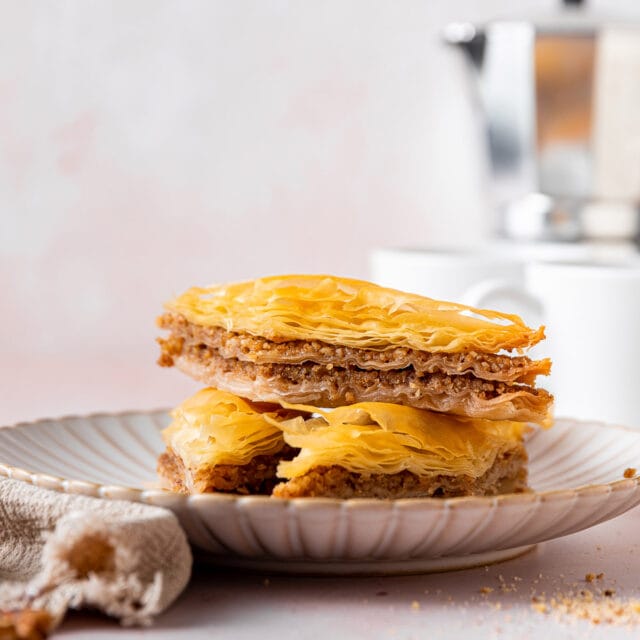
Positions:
{"x": 146, "y": 146}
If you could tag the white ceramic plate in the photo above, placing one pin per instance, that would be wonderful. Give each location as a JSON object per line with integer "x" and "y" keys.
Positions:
{"x": 576, "y": 470}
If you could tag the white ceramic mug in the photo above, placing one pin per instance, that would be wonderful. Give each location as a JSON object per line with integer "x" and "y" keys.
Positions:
{"x": 456, "y": 274}
{"x": 592, "y": 318}
{"x": 443, "y": 274}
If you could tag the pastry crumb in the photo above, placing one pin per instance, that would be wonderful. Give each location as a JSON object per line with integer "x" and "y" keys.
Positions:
{"x": 27, "y": 624}
{"x": 540, "y": 607}
{"x": 595, "y": 606}
{"x": 629, "y": 472}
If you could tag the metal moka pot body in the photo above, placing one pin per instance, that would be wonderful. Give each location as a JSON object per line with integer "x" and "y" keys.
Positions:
{"x": 558, "y": 161}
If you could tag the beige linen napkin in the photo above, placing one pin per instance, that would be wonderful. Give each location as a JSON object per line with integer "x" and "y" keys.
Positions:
{"x": 61, "y": 551}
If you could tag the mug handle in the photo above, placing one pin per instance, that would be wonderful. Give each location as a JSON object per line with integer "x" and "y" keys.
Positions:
{"x": 480, "y": 296}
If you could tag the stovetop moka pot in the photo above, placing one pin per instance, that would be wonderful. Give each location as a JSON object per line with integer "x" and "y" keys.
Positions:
{"x": 561, "y": 104}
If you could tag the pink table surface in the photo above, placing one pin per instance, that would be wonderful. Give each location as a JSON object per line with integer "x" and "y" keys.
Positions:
{"x": 233, "y": 604}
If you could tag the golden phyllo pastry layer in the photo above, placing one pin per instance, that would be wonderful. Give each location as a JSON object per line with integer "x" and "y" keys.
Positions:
{"x": 352, "y": 313}
{"x": 218, "y": 441}
{"x": 331, "y": 341}
{"x": 381, "y": 438}
{"x": 379, "y": 450}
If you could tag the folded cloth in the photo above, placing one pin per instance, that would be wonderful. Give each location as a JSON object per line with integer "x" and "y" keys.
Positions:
{"x": 61, "y": 551}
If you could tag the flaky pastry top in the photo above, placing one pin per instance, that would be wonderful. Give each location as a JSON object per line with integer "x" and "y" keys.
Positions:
{"x": 215, "y": 427}
{"x": 383, "y": 438}
{"x": 351, "y": 313}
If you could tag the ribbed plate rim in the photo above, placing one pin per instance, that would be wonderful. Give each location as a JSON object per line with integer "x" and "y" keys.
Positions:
{"x": 150, "y": 496}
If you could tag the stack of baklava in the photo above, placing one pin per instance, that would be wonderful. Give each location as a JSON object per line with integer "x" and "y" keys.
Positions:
{"x": 325, "y": 386}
